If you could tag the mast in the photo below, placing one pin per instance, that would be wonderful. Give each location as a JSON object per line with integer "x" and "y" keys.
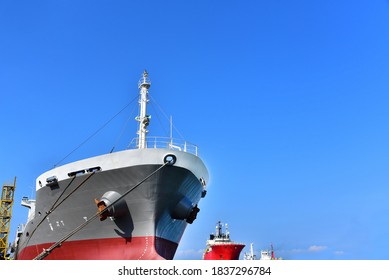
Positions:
{"x": 143, "y": 119}
{"x": 227, "y": 232}
{"x": 252, "y": 251}
{"x": 218, "y": 229}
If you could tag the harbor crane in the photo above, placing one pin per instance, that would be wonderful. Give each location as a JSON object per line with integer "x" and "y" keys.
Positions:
{"x": 6, "y": 202}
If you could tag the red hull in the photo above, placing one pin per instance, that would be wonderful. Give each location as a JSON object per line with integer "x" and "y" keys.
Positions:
{"x": 224, "y": 252}
{"x": 135, "y": 248}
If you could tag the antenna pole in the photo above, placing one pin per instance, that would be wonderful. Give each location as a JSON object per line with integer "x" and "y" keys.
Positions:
{"x": 171, "y": 129}
{"x": 143, "y": 119}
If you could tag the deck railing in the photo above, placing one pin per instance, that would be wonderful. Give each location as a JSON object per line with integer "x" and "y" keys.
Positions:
{"x": 166, "y": 143}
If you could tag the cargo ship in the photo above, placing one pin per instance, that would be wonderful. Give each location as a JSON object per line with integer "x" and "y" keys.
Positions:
{"x": 133, "y": 204}
{"x": 220, "y": 247}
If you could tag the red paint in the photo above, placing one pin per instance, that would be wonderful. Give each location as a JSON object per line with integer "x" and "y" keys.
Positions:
{"x": 135, "y": 248}
{"x": 224, "y": 252}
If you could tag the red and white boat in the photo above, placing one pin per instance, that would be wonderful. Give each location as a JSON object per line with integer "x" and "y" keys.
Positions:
{"x": 221, "y": 247}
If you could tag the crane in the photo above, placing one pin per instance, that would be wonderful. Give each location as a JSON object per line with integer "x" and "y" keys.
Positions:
{"x": 6, "y": 202}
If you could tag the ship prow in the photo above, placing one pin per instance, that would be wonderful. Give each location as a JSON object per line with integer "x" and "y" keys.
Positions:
{"x": 128, "y": 205}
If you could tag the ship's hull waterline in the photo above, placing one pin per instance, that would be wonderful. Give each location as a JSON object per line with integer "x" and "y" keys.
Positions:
{"x": 147, "y": 223}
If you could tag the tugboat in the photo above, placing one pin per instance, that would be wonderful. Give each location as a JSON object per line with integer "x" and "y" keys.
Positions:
{"x": 221, "y": 247}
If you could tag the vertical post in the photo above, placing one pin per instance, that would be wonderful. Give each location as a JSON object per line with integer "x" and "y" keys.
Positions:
{"x": 143, "y": 119}
{"x": 171, "y": 130}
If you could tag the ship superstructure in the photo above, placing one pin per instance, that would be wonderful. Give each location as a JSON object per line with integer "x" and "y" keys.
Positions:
{"x": 264, "y": 254}
{"x": 132, "y": 204}
{"x": 220, "y": 247}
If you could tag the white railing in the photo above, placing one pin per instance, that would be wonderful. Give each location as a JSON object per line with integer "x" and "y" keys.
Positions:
{"x": 166, "y": 143}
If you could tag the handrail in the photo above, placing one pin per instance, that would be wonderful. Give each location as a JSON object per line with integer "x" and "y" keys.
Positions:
{"x": 166, "y": 143}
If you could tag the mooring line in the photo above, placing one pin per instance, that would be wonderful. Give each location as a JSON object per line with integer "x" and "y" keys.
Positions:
{"x": 46, "y": 252}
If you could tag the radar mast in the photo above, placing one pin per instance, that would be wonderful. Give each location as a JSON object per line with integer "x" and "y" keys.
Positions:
{"x": 143, "y": 119}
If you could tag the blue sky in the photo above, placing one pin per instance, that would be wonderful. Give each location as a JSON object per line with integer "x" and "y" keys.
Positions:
{"x": 287, "y": 101}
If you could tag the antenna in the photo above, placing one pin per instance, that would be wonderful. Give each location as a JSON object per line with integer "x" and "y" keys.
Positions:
{"x": 219, "y": 229}
{"x": 143, "y": 119}
{"x": 171, "y": 129}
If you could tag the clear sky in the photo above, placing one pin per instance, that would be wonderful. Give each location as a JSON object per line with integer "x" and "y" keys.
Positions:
{"x": 287, "y": 101}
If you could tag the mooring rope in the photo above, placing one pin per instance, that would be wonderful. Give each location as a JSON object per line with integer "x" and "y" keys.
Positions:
{"x": 46, "y": 252}
{"x": 54, "y": 206}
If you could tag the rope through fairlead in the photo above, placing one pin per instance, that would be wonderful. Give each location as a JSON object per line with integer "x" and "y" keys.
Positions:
{"x": 46, "y": 252}
{"x": 54, "y": 206}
